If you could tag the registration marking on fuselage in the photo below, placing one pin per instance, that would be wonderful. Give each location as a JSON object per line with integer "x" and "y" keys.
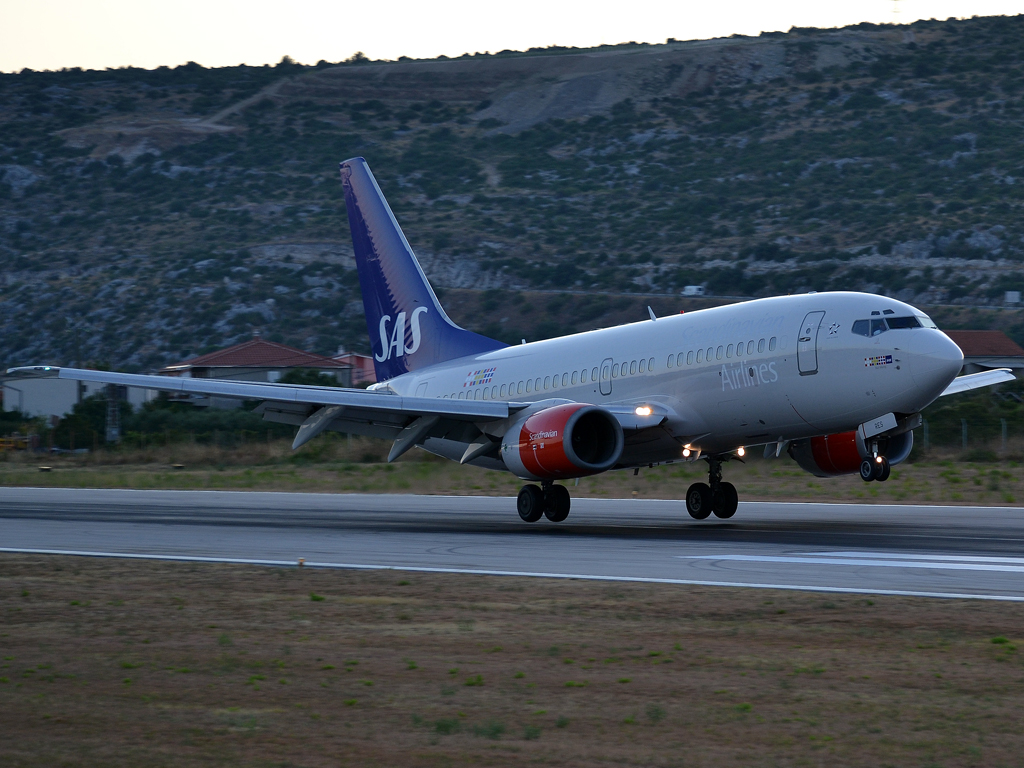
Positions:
{"x": 881, "y": 560}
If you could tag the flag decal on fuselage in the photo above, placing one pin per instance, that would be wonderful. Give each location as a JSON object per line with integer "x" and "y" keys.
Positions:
{"x": 479, "y": 376}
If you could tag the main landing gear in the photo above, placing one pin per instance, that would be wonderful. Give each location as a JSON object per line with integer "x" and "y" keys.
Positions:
{"x": 550, "y": 501}
{"x": 713, "y": 496}
{"x": 875, "y": 469}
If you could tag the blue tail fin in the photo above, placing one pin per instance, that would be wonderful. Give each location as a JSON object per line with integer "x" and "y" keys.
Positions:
{"x": 408, "y": 329}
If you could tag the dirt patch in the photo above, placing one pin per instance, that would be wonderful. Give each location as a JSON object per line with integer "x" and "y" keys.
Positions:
{"x": 135, "y": 663}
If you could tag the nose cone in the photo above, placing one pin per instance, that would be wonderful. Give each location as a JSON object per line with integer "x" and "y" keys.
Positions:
{"x": 935, "y": 360}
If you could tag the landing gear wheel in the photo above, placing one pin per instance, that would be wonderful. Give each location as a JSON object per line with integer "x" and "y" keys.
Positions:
{"x": 698, "y": 501}
{"x": 869, "y": 470}
{"x": 884, "y": 470}
{"x": 530, "y": 503}
{"x": 725, "y": 501}
{"x": 556, "y": 503}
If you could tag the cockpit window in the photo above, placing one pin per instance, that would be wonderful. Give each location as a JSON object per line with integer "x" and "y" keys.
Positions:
{"x": 877, "y": 327}
{"x": 862, "y": 327}
{"x": 927, "y": 322}
{"x": 904, "y": 322}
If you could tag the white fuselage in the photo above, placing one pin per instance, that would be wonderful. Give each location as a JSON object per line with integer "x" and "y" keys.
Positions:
{"x": 779, "y": 368}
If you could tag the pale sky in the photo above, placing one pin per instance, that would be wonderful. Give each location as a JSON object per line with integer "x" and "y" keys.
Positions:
{"x": 95, "y": 34}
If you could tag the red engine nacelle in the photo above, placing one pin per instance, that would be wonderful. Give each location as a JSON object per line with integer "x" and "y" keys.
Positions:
{"x": 569, "y": 440}
{"x": 841, "y": 454}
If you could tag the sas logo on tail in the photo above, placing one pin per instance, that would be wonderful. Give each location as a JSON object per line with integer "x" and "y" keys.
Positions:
{"x": 393, "y": 344}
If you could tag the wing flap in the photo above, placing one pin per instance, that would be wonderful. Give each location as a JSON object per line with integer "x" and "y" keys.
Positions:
{"x": 373, "y": 402}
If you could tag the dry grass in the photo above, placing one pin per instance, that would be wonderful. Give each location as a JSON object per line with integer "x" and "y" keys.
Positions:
{"x": 127, "y": 663}
{"x": 339, "y": 466}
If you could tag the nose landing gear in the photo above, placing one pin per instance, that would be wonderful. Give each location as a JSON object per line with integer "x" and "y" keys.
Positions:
{"x": 714, "y": 496}
{"x": 551, "y": 501}
{"x": 875, "y": 469}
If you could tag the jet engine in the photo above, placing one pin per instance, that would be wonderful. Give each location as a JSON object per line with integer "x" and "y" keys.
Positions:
{"x": 841, "y": 454}
{"x": 568, "y": 440}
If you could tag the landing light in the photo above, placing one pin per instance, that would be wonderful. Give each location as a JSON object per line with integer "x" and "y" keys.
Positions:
{"x": 686, "y": 453}
{"x": 878, "y": 459}
{"x": 741, "y": 451}
{"x": 643, "y": 410}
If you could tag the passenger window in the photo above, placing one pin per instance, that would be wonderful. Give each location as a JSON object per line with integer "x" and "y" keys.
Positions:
{"x": 760, "y": 345}
{"x": 689, "y": 357}
{"x": 668, "y": 363}
{"x": 728, "y": 351}
{"x": 583, "y": 376}
{"x": 575, "y": 377}
{"x": 643, "y": 366}
{"x": 718, "y": 352}
{"x": 650, "y": 365}
{"x": 529, "y": 386}
{"x": 519, "y": 388}
{"x": 709, "y": 353}
{"x": 547, "y": 382}
{"x": 494, "y": 393}
{"x": 565, "y": 379}
{"x": 462, "y": 395}
{"x": 771, "y": 344}
{"x": 877, "y": 327}
{"x": 750, "y": 347}
{"x": 593, "y": 375}
{"x": 739, "y": 349}
{"x": 504, "y": 391}
{"x": 632, "y": 368}
{"x": 700, "y": 355}
{"x": 862, "y": 327}
{"x": 680, "y": 359}
{"x": 484, "y": 393}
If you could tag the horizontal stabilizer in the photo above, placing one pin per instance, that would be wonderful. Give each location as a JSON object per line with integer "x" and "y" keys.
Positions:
{"x": 978, "y": 380}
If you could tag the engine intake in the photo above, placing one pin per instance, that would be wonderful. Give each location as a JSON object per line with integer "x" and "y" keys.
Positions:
{"x": 569, "y": 440}
{"x": 842, "y": 453}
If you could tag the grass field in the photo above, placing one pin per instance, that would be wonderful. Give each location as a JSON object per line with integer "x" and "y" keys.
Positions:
{"x": 335, "y": 466}
{"x": 128, "y": 663}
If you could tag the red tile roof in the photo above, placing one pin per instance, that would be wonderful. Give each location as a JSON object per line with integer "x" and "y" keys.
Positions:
{"x": 258, "y": 353}
{"x": 985, "y": 344}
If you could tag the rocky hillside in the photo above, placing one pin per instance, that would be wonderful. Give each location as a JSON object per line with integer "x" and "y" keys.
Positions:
{"x": 149, "y": 215}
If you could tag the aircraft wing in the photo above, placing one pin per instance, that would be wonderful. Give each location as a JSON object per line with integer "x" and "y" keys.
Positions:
{"x": 978, "y": 380}
{"x": 407, "y": 420}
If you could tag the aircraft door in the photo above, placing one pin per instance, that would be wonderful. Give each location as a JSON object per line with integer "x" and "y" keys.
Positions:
{"x": 606, "y": 377}
{"x": 807, "y": 344}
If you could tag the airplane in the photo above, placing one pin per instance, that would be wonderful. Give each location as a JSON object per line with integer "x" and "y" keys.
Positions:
{"x": 837, "y": 380}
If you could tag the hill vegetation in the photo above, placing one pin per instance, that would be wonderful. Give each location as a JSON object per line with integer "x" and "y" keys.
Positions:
{"x": 149, "y": 215}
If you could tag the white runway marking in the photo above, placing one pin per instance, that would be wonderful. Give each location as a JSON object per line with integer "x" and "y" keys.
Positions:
{"x": 873, "y": 560}
{"x": 531, "y": 574}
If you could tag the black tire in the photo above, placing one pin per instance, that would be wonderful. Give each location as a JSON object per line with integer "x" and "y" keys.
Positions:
{"x": 725, "y": 501}
{"x": 868, "y": 470}
{"x": 698, "y": 501}
{"x": 884, "y": 470}
{"x": 530, "y": 503}
{"x": 556, "y": 503}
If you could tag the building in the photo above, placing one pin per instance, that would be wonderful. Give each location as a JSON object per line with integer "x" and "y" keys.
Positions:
{"x": 363, "y": 371}
{"x": 984, "y": 350}
{"x": 57, "y": 397}
{"x": 255, "y": 360}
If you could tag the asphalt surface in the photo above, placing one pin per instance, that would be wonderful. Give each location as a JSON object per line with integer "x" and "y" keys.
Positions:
{"x": 925, "y": 550}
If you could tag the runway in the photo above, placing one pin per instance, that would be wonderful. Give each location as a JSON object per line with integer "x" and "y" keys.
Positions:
{"x": 975, "y": 552}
